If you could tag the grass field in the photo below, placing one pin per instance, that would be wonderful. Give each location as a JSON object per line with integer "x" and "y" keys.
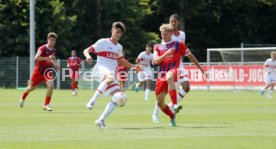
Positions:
{"x": 213, "y": 120}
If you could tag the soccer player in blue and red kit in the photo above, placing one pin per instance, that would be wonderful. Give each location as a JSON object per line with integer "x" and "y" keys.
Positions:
{"x": 43, "y": 71}
{"x": 167, "y": 55}
{"x": 74, "y": 63}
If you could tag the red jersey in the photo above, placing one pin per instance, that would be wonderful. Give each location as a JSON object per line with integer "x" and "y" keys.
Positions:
{"x": 74, "y": 63}
{"x": 171, "y": 61}
{"x": 41, "y": 66}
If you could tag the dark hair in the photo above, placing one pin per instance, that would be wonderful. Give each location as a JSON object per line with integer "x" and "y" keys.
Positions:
{"x": 52, "y": 34}
{"x": 149, "y": 45}
{"x": 175, "y": 16}
{"x": 73, "y": 50}
{"x": 119, "y": 25}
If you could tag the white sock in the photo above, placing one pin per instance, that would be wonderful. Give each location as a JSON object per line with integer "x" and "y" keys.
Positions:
{"x": 181, "y": 94}
{"x": 269, "y": 92}
{"x": 137, "y": 85}
{"x": 156, "y": 109}
{"x": 100, "y": 90}
{"x": 107, "y": 111}
{"x": 147, "y": 93}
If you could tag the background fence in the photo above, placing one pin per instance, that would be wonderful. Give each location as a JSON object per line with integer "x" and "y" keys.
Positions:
{"x": 14, "y": 73}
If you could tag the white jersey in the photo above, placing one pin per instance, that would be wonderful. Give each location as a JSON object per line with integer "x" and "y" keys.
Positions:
{"x": 180, "y": 37}
{"x": 145, "y": 59}
{"x": 270, "y": 66}
{"x": 108, "y": 54}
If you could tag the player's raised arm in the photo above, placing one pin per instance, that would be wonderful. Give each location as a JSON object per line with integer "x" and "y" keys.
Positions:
{"x": 87, "y": 55}
{"x": 127, "y": 64}
{"x": 195, "y": 61}
{"x": 54, "y": 62}
{"x": 158, "y": 59}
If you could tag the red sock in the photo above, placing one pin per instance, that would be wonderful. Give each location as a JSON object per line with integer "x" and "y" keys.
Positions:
{"x": 168, "y": 111}
{"x": 25, "y": 94}
{"x": 47, "y": 100}
{"x": 73, "y": 86}
{"x": 76, "y": 85}
{"x": 173, "y": 96}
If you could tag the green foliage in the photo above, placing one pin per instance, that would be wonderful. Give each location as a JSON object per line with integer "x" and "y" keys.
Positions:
{"x": 14, "y": 27}
{"x": 52, "y": 16}
{"x": 80, "y": 23}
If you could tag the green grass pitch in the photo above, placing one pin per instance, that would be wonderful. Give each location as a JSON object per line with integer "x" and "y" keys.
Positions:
{"x": 213, "y": 120}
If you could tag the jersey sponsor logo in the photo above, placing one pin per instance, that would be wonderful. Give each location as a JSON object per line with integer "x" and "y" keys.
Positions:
{"x": 110, "y": 55}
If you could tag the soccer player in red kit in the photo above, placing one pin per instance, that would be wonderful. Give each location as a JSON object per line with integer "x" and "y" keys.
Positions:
{"x": 74, "y": 63}
{"x": 45, "y": 59}
{"x": 167, "y": 55}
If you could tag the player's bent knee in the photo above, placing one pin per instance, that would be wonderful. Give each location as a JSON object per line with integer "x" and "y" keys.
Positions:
{"x": 185, "y": 86}
{"x": 110, "y": 79}
{"x": 30, "y": 88}
{"x": 186, "y": 89}
{"x": 161, "y": 105}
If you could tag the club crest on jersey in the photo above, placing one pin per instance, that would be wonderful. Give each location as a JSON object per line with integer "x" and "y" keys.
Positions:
{"x": 162, "y": 47}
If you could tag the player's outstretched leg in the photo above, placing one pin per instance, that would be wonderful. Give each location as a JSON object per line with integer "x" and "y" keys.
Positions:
{"x": 136, "y": 89}
{"x": 50, "y": 88}
{"x": 270, "y": 92}
{"x": 96, "y": 95}
{"x": 264, "y": 88}
{"x": 23, "y": 98}
{"x": 147, "y": 89}
{"x": 155, "y": 117}
{"x": 28, "y": 89}
{"x": 108, "y": 110}
{"x": 147, "y": 94}
{"x": 165, "y": 108}
{"x": 73, "y": 86}
{"x": 100, "y": 124}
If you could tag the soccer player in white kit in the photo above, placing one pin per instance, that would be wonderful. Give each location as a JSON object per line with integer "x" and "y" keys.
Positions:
{"x": 270, "y": 75}
{"x": 144, "y": 59}
{"x": 109, "y": 54}
{"x": 180, "y": 36}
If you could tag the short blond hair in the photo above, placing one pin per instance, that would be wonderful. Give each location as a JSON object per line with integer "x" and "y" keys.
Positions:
{"x": 52, "y": 34}
{"x": 273, "y": 53}
{"x": 166, "y": 27}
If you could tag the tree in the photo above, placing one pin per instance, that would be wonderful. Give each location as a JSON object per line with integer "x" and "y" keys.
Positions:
{"x": 14, "y": 29}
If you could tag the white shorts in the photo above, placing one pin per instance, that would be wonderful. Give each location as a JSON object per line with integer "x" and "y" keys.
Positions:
{"x": 270, "y": 78}
{"x": 144, "y": 75}
{"x": 183, "y": 75}
{"x": 99, "y": 73}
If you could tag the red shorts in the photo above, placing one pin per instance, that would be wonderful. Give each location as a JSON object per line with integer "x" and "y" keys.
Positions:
{"x": 37, "y": 77}
{"x": 162, "y": 84}
{"x": 122, "y": 76}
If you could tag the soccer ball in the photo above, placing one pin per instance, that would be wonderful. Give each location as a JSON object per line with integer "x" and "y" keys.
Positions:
{"x": 119, "y": 99}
